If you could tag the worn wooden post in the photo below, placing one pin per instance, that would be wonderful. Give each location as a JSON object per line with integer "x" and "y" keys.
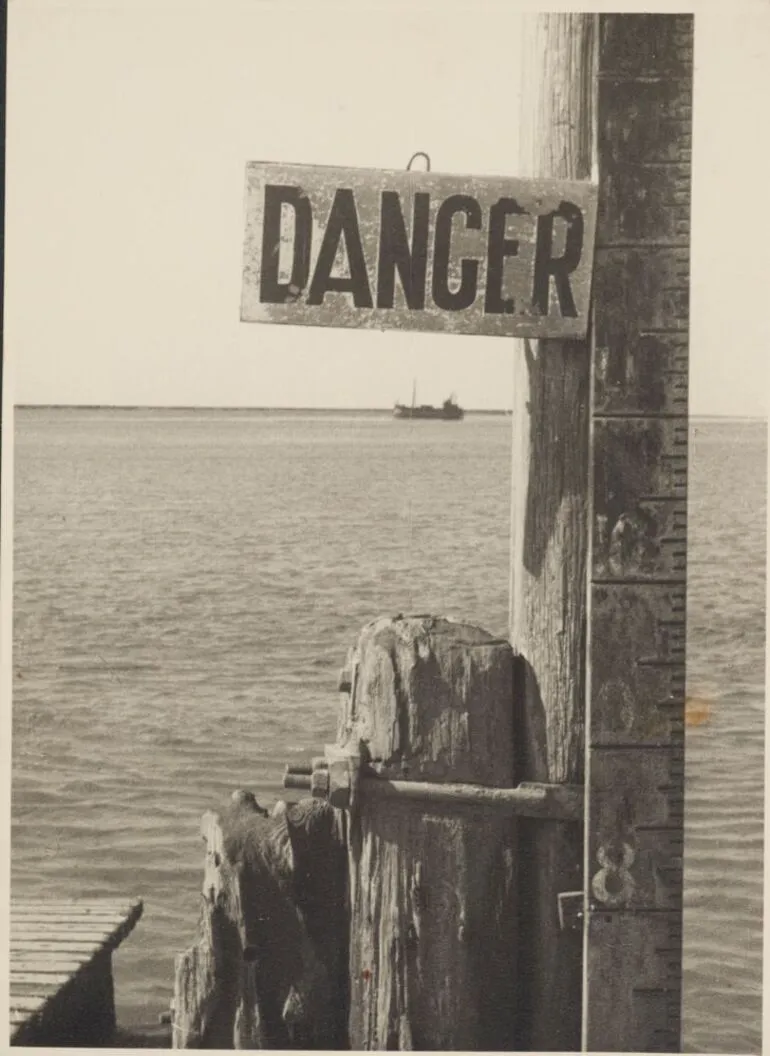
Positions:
{"x": 549, "y": 545}
{"x": 600, "y": 468}
{"x": 432, "y": 887}
{"x": 270, "y": 968}
{"x": 636, "y": 632}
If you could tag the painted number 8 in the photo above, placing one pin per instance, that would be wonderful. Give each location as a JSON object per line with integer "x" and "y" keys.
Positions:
{"x": 613, "y": 884}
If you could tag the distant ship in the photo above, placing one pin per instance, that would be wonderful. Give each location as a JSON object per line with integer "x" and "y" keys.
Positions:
{"x": 450, "y": 411}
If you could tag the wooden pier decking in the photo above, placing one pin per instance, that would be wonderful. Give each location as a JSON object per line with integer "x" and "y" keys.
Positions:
{"x": 61, "y": 968}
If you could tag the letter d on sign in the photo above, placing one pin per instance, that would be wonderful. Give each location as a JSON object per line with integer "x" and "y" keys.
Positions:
{"x": 271, "y": 291}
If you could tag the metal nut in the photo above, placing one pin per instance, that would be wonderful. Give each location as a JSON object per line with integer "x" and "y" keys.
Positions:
{"x": 339, "y": 783}
{"x": 319, "y": 784}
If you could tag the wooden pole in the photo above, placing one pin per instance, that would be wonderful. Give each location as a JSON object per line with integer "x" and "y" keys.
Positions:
{"x": 636, "y": 631}
{"x": 432, "y": 885}
{"x": 600, "y": 469}
{"x": 549, "y": 546}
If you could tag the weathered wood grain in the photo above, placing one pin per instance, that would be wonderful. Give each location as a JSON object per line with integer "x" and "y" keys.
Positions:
{"x": 648, "y": 950}
{"x": 638, "y": 683}
{"x": 636, "y": 842}
{"x": 549, "y": 544}
{"x": 269, "y": 969}
{"x": 432, "y": 900}
{"x": 637, "y": 632}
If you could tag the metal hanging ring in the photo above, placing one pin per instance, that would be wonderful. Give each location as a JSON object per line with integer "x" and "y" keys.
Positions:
{"x": 419, "y": 154}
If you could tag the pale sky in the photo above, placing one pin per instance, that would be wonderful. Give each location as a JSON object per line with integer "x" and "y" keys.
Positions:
{"x": 129, "y": 126}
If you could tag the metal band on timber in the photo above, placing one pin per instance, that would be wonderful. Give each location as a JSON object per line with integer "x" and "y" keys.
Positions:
{"x": 636, "y": 629}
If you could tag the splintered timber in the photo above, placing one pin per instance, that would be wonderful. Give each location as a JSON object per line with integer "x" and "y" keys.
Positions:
{"x": 417, "y": 251}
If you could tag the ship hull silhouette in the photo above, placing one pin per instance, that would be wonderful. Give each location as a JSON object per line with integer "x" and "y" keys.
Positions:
{"x": 449, "y": 411}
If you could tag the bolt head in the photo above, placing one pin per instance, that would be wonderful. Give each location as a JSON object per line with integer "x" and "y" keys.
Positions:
{"x": 339, "y": 781}
{"x": 319, "y": 784}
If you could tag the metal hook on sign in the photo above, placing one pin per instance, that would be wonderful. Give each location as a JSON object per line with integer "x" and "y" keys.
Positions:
{"x": 419, "y": 154}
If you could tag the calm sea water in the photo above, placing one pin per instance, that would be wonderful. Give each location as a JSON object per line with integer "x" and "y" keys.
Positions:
{"x": 187, "y": 585}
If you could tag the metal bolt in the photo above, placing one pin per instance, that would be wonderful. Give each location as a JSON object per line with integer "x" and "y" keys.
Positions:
{"x": 297, "y": 780}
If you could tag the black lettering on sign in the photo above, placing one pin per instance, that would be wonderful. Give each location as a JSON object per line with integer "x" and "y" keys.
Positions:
{"x": 343, "y": 222}
{"x": 559, "y": 267}
{"x": 396, "y": 254}
{"x": 500, "y": 247}
{"x": 443, "y": 297}
{"x": 271, "y": 291}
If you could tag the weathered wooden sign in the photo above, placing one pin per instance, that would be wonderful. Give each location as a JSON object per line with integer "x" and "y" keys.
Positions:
{"x": 417, "y": 251}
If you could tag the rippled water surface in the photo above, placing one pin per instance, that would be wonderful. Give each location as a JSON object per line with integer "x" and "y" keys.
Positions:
{"x": 187, "y": 585}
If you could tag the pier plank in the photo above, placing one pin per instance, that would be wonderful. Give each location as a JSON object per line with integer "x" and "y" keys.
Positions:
{"x": 41, "y": 980}
{"x": 38, "y": 931}
{"x": 61, "y": 989}
{"x": 28, "y": 1003}
{"x": 75, "y": 905}
{"x": 36, "y": 962}
{"x": 63, "y": 946}
{"x": 70, "y": 913}
{"x": 98, "y": 938}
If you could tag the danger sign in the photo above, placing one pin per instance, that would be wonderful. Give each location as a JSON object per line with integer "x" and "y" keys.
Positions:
{"x": 417, "y": 251}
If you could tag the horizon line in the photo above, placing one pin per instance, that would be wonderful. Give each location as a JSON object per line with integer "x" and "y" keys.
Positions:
{"x": 350, "y": 410}
{"x": 223, "y": 407}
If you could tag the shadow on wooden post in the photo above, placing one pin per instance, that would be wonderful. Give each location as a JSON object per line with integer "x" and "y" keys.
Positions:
{"x": 549, "y": 541}
{"x": 432, "y": 887}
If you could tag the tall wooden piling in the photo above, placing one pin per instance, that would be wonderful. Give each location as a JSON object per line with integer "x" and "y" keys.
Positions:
{"x": 549, "y": 544}
{"x": 432, "y": 897}
{"x": 599, "y": 540}
{"x": 636, "y": 633}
